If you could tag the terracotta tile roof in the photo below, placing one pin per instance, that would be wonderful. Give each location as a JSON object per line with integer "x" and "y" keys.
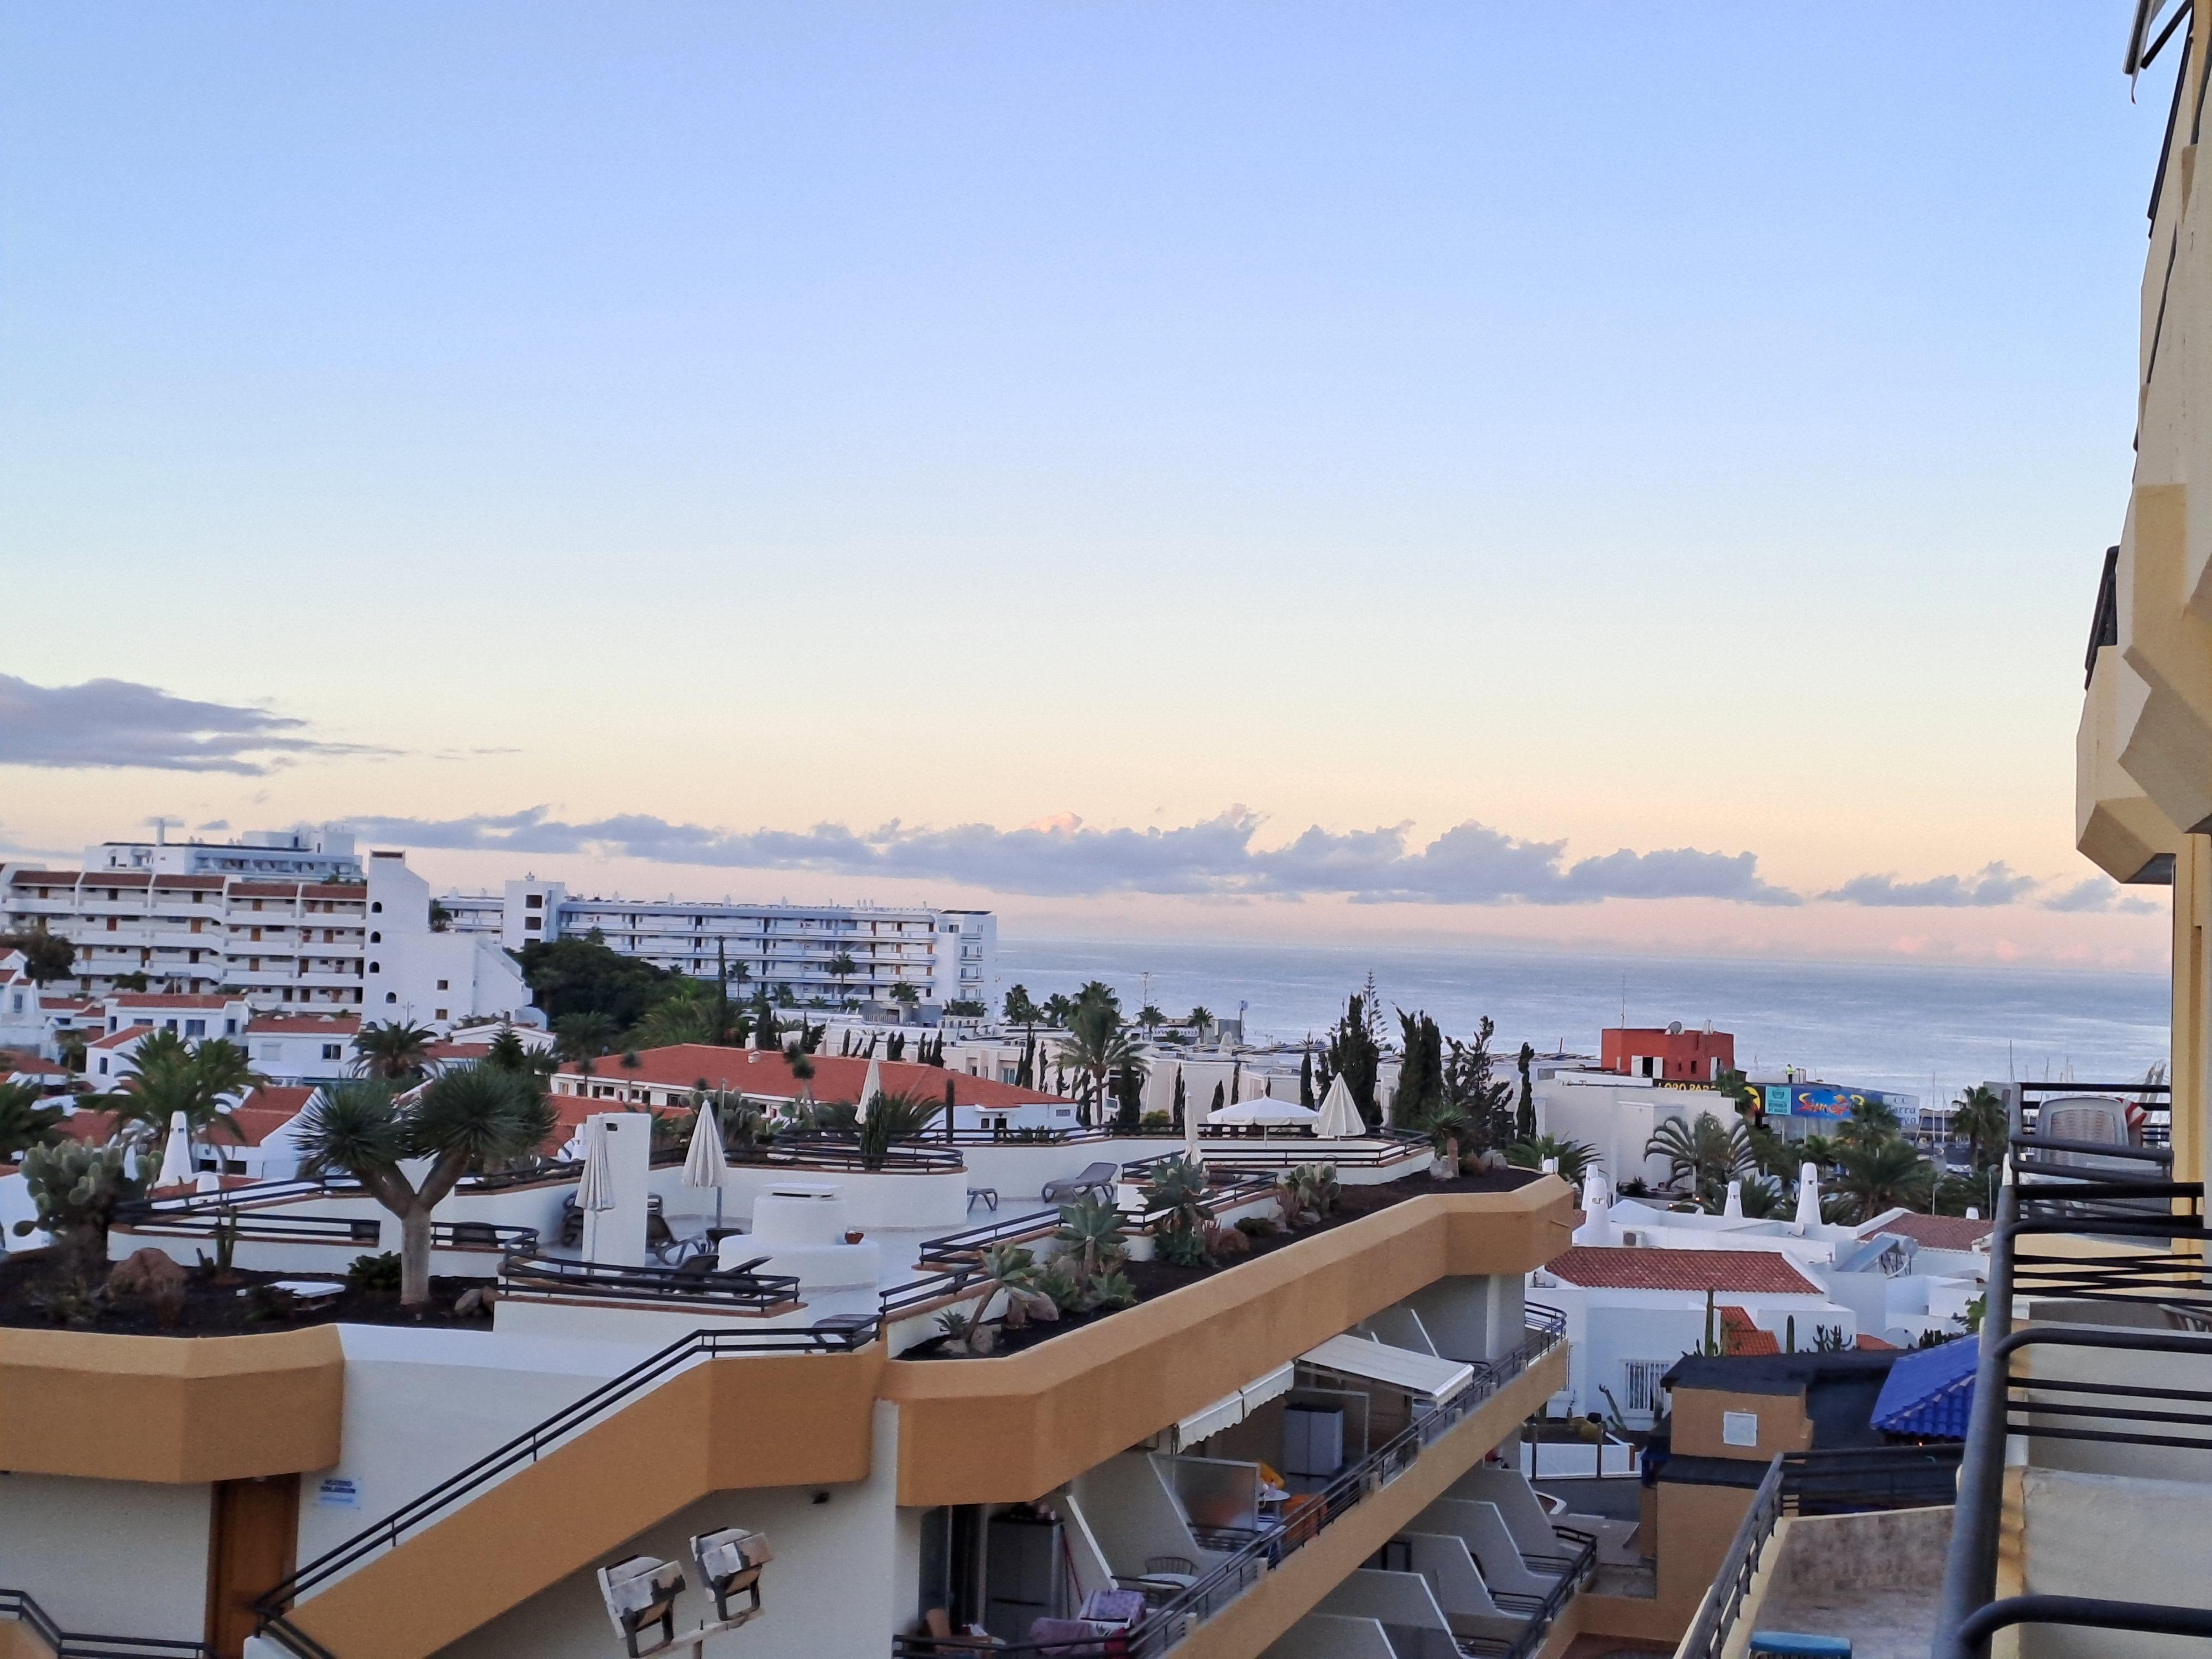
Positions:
{"x": 266, "y": 889}
{"x": 263, "y": 1112}
{"x": 304, "y": 1025}
{"x": 158, "y": 999}
{"x": 1939, "y": 1232}
{"x": 16, "y": 1064}
{"x": 191, "y": 883}
{"x": 1602, "y": 1267}
{"x": 1741, "y": 1334}
{"x": 117, "y": 1039}
{"x": 91, "y": 1127}
{"x": 1866, "y": 1342}
{"x": 45, "y": 878}
{"x": 117, "y": 879}
{"x": 765, "y": 1072}
{"x": 355, "y": 889}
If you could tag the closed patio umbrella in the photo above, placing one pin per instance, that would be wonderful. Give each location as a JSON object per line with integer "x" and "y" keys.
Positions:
{"x": 1340, "y": 1117}
{"x": 596, "y": 1191}
{"x": 871, "y": 1086}
{"x": 704, "y": 1164}
{"x": 176, "y": 1153}
{"x": 1190, "y": 1147}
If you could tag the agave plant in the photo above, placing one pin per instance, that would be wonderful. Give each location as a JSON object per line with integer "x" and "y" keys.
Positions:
{"x": 1090, "y": 1229}
{"x": 1010, "y": 1270}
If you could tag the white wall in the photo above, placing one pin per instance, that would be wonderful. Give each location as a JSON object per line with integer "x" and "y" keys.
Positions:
{"x": 841, "y": 1583}
{"x": 110, "y": 1557}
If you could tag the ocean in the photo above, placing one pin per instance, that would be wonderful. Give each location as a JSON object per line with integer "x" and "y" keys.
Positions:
{"x": 1918, "y": 1030}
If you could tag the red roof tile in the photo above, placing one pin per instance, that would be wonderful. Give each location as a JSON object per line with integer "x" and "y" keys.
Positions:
{"x": 191, "y": 883}
{"x": 45, "y": 878}
{"x": 1873, "y": 1342}
{"x": 766, "y": 1072}
{"x": 1741, "y": 1335}
{"x": 1939, "y": 1232}
{"x": 304, "y": 1025}
{"x": 1602, "y": 1267}
{"x": 22, "y": 1065}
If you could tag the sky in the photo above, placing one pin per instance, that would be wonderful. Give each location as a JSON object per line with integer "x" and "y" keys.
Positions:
{"x": 1606, "y": 477}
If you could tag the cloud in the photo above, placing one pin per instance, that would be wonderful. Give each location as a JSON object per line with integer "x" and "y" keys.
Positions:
{"x": 2102, "y": 893}
{"x": 104, "y": 723}
{"x": 1994, "y": 883}
{"x": 1061, "y": 857}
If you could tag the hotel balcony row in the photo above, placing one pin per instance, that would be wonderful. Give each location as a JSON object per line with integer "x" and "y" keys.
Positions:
{"x": 1294, "y": 1445}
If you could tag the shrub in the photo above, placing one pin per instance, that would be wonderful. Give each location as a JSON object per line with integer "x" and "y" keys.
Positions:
{"x": 374, "y": 1273}
{"x": 1257, "y": 1226}
{"x": 1225, "y": 1243}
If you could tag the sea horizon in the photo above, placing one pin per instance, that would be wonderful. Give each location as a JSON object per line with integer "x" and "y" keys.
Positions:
{"x": 1921, "y": 1029}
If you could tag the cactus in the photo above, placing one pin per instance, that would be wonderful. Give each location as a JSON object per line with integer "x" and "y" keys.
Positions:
{"x": 76, "y": 1189}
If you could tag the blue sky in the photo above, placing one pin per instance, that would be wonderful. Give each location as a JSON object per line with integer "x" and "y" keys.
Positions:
{"x": 1683, "y": 429}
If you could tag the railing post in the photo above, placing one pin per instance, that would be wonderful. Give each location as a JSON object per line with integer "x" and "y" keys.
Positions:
{"x": 1970, "y": 1568}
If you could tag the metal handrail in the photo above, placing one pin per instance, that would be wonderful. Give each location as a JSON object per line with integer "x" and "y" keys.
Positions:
{"x": 533, "y": 1443}
{"x": 1164, "y": 1625}
{"x": 79, "y": 1645}
{"x": 524, "y": 1276}
{"x": 1723, "y": 1597}
{"x": 1969, "y": 1611}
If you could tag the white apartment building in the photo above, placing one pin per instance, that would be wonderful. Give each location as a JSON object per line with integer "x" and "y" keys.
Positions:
{"x": 304, "y": 854}
{"x": 359, "y": 945}
{"x": 945, "y": 955}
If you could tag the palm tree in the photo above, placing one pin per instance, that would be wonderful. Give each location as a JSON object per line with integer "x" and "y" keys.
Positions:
{"x": 1980, "y": 1119}
{"x": 583, "y": 1038}
{"x": 1058, "y": 1007}
{"x": 24, "y": 1123}
{"x": 393, "y": 1052}
{"x": 1201, "y": 1020}
{"x": 892, "y": 1116}
{"x": 842, "y": 968}
{"x": 1870, "y": 1122}
{"x": 1708, "y": 1152}
{"x": 464, "y": 1123}
{"x": 1575, "y": 1156}
{"x": 1882, "y": 1175}
{"x": 170, "y": 1076}
{"x": 1020, "y": 1011}
{"x": 1096, "y": 1047}
{"x": 688, "y": 1013}
{"x": 507, "y": 1052}
{"x": 1150, "y": 1019}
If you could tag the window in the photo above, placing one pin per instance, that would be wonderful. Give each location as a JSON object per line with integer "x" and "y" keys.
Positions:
{"x": 170, "y": 1026}
{"x": 1739, "y": 1428}
{"x": 374, "y": 939}
{"x": 534, "y": 923}
{"x": 375, "y": 967}
{"x": 440, "y": 1014}
{"x": 195, "y": 1028}
{"x": 534, "y": 902}
{"x": 1643, "y": 1391}
{"x": 376, "y": 907}
{"x": 331, "y": 1051}
{"x": 442, "y": 986}
{"x": 392, "y": 996}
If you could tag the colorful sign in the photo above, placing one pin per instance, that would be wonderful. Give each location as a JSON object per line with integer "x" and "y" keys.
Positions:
{"x": 1829, "y": 1100}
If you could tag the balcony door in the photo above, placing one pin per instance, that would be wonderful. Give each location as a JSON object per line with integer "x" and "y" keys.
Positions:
{"x": 256, "y": 1524}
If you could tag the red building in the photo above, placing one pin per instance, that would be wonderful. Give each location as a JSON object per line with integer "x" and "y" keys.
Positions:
{"x": 1675, "y": 1055}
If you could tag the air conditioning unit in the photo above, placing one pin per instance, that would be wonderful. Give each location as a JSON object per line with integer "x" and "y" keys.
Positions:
{"x": 1634, "y": 1240}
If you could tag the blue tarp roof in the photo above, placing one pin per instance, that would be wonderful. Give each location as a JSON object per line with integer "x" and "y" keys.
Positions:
{"x": 1931, "y": 1392}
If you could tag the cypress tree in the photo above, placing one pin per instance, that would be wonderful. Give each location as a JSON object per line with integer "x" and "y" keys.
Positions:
{"x": 1176, "y": 1116}
{"x": 1305, "y": 1079}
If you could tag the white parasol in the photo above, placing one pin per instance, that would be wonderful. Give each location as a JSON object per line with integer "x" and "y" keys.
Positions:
{"x": 1261, "y": 1109}
{"x": 1340, "y": 1117}
{"x": 595, "y": 1192}
{"x": 871, "y": 1086}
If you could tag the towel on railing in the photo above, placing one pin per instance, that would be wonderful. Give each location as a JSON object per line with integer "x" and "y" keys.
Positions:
{"x": 1113, "y": 1607}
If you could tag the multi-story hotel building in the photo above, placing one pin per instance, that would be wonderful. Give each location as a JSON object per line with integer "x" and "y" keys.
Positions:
{"x": 946, "y": 955}
{"x": 282, "y": 924}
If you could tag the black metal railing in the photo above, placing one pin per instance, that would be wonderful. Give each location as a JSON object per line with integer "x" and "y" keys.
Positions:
{"x": 1164, "y": 1625}
{"x": 532, "y": 1443}
{"x": 2147, "y": 1249}
{"x": 971, "y": 1242}
{"x": 2155, "y": 1101}
{"x": 344, "y": 1232}
{"x": 1848, "y": 1481}
{"x": 523, "y": 1276}
{"x": 79, "y": 1645}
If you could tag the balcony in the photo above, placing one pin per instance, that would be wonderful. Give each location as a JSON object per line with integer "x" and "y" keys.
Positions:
{"x": 1234, "y": 1570}
{"x": 2087, "y": 1471}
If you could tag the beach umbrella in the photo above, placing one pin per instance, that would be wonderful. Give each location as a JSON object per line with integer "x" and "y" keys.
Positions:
{"x": 871, "y": 1086}
{"x": 177, "y": 1154}
{"x": 596, "y": 1191}
{"x": 704, "y": 1164}
{"x": 1263, "y": 1111}
{"x": 1340, "y": 1117}
{"x": 1190, "y": 1147}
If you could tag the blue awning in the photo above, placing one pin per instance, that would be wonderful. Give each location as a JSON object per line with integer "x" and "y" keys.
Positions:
{"x": 1929, "y": 1392}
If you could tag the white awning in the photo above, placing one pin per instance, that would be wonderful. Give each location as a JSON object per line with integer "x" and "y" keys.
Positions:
{"x": 1232, "y": 1408}
{"x": 1420, "y": 1374}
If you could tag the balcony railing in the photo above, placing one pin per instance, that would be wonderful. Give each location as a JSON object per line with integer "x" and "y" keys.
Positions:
{"x": 1254, "y": 1555}
{"x": 1847, "y": 1481}
{"x": 526, "y": 1447}
{"x": 527, "y": 1277}
{"x": 2137, "y": 1241}
{"x": 77, "y": 1644}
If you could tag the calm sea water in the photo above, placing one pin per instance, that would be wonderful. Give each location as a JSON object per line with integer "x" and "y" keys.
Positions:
{"x": 1914, "y": 1029}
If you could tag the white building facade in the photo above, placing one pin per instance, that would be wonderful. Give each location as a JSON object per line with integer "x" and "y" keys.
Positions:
{"x": 945, "y": 956}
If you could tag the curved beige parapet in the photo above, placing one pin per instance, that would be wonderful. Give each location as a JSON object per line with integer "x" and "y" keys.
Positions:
{"x": 165, "y": 1408}
{"x": 2115, "y": 825}
{"x": 754, "y": 1420}
{"x": 2165, "y": 742}
{"x": 1011, "y": 1428}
